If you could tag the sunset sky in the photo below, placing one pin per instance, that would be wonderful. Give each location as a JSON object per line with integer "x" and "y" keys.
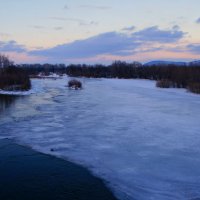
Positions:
{"x": 91, "y": 31}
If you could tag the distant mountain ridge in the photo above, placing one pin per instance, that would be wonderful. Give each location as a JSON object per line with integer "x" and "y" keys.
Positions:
{"x": 196, "y": 62}
{"x": 166, "y": 63}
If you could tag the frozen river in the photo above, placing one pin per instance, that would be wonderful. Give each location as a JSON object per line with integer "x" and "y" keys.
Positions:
{"x": 144, "y": 142}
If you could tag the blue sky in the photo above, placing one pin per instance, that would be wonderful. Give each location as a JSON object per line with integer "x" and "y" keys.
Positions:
{"x": 99, "y": 31}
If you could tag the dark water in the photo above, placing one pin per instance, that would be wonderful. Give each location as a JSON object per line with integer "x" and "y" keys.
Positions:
{"x": 6, "y": 101}
{"x": 28, "y": 175}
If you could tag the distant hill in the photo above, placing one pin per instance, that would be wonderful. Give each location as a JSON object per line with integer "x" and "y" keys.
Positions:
{"x": 165, "y": 63}
{"x": 195, "y": 63}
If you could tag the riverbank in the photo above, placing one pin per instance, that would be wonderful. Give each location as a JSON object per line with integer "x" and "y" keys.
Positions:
{"x": 26, "y": 174}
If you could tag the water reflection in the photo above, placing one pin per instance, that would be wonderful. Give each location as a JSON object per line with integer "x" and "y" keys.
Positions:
{"x": 6, "y": 101}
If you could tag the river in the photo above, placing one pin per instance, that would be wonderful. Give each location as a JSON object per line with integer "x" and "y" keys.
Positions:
{"x": 143, "y": 141}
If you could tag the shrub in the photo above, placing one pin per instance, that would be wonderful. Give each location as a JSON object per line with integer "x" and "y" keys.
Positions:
{"x": 75, "y": 84}
{"x": 194, "y": 87}
{"x": 14, "y": 79}
{"x": 164, "y": 83}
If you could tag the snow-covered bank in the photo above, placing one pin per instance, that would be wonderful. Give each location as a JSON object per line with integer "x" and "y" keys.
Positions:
{"x": 17, "y": 93}
{"x": 38, "y": 85}
{"x": 142, "y": 140}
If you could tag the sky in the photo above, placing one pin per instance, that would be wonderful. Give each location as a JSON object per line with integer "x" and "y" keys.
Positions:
{"x": 94, "y": 31}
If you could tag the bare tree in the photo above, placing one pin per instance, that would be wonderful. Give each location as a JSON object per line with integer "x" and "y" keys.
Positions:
{"x": 5, "y": 61}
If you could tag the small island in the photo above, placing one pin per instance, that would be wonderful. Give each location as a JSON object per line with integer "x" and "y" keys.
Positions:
{"x": 75, "y": 84}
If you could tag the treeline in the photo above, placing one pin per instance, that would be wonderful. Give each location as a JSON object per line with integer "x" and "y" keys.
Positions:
{"x": 117, "y": 70}
{"x": 170, "y": 76}
{"x": 45, "y": 69}
{"x": 178, "y": 74}
{"x": 167, "y": 76}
